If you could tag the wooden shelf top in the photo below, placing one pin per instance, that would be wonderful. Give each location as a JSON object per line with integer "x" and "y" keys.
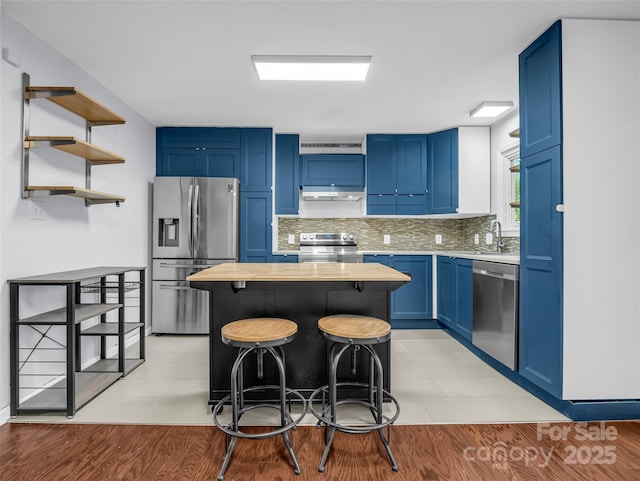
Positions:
{"x": 307, "y": 271}
{"x": 514, "y": 168}
{"x": 515, "y": 205}
{"x": 93, "y": 196}
{"x": 79, "y": 103}
{"x": 74, "y": 146}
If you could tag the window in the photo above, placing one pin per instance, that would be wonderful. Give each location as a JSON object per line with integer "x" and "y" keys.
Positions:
{"x": 509, "y": 189}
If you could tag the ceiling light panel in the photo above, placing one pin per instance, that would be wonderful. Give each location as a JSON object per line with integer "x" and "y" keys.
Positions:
{"x": 491, "y": 109}
{"x": 311, "y": 67}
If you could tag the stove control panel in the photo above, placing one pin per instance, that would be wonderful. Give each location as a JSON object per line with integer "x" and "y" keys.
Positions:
{"x": 329, "y": 239}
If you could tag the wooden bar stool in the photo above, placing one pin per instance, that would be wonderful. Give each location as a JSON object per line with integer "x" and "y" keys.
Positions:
{"x": 260, "y": 335}
{"x": 354, "y": 332}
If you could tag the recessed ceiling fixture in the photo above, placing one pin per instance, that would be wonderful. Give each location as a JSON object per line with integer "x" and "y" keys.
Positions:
{"x": 311, "y": 67}
{"x": 491, "y": 109}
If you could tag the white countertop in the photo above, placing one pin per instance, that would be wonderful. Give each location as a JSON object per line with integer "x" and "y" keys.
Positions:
{"x": 484, "y": 256}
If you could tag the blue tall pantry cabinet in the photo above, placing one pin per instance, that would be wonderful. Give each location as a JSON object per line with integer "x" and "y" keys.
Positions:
{"x": 541, "y": 223}
{"x": 244, "y": 153}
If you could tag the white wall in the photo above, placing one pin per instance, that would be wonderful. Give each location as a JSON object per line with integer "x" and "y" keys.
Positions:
{"x": 601, "y": 169}
{"x": 500, "y": 139}
{"x": 72, "y": 236}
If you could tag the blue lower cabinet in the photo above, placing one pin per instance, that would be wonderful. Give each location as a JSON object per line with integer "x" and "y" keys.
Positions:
{"x": 455, "y": 294}
{"x": 255, "y": 230}
{"x": 285, "y": 258}
{"x": 411, "y": 304}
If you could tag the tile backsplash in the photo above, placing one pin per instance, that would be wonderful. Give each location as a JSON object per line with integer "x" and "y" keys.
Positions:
{"x": 406, "y": 234}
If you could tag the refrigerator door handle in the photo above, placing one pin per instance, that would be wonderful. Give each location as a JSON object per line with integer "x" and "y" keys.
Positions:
{"x": 195, "y": 222}
{"x": 190, "y": 209}
{"x": 183, "y": 266}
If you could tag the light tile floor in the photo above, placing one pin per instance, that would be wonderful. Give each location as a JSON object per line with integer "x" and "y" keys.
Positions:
{"x": 435, "y": 379}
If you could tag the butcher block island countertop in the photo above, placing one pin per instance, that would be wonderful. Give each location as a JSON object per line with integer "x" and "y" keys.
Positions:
{"x": 307, "y": 271}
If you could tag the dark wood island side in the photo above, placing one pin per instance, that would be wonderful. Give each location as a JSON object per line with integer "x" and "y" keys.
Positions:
{"x": 300, "y": 292}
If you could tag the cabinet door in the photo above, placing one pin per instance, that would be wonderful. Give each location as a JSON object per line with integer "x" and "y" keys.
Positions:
{"x": 381, "y": 164}
{"x": 255, "y": 231}
{"x": 380, "y": 259}
{"x": 287, "y": 174}
{"x": 443, "y": 172}
{"x": 381, "y": 204}
{"x": 541, "y": 238}
{"x": 540, "y": 84}
{"x": 207, "y": 137}
{"x": 464, "y": 296}
{"x": 220, "y": 162}
{"x": 256, "y": 155}
{"x": 411, "y": 204}
{"x": 446, "y": 290}
{"x": 333, "y": 169}
{"x": 179, "y": 162}
{"x": 413, "y": 300}
{"x": 411, "y": 164}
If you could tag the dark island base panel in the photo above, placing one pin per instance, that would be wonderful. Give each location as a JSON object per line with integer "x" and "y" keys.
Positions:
{"x": 306, "y": 355}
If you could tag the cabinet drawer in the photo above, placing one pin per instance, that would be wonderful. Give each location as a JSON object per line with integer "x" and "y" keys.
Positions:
{"x": 411, "y": 204}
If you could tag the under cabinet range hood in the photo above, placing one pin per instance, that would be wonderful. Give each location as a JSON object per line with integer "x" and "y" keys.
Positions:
{"x": 346, "y": 193}
{"x": 334, "y": 147}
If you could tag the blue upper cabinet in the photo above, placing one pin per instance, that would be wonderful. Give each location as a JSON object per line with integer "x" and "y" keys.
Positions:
{"x": 541, "y": 93}
{"x": 443, "y": 172}
{"x": 255, "y": 226}
{"x": 333, "y": 170}
{"x": 381, "y": 164}
{"x": 396, "y": 174}
{"x": 256, "y": 160}
{"x": 287, "y": 174}
{"x": 198, "y": 151}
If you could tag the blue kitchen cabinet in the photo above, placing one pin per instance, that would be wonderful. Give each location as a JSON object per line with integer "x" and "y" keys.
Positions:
{"x": 287, "y": 187}
{"x": 442, "y": 172}
{"x": 412, "y": 303}
{"x": 541, "y": 271}
{"x": 255, "y": 227}
{"x": 455, "y": 294}
{"x": 541, "y": 224}
{"x": 285, "y": 258}
{"x": 256, "y": 160}
{"x": 198, "y": 151}
{"x": 540, "y": 86}
{"x": 446, "y": 290}
{"x": 341, "y": 170}
{"x": 396, "y": 174}
{"x": 464, "y": 297}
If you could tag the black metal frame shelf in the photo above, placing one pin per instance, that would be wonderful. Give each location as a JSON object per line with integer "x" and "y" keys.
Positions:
{"x": 70, "y": 386}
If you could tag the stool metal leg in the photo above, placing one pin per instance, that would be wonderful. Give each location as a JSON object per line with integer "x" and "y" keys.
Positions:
{"x": 333, "y": 400}
{"x": 379, "y": 405}
{"x": 283, "y": 408}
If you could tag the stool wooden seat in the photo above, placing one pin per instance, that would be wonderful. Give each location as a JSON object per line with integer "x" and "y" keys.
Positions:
{"x": 260, "y": 335}
{"x": 353, "y": 332}
{"x": 353, "y": 326}
{"x": 259, "y": 330}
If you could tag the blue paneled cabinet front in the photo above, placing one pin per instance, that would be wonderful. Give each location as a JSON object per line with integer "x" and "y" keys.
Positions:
{"x": 541, "y": 224}
{"x": 455, "y": 294}
{"x": 255, "y": 162}
{"x": 396, "y": 174}
{"x": 255, "y": 227}
{"x": 332, "y": 170}
{"x": 413, "y": 301}
{"x": 287, "y": 174}
{"x": 442, "y": 172}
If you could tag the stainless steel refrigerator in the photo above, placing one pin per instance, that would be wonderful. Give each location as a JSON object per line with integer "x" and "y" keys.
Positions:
{"x": 195, "y": 226}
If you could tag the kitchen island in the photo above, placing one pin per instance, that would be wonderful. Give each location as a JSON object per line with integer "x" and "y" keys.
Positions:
{"x": 300, "y": 292}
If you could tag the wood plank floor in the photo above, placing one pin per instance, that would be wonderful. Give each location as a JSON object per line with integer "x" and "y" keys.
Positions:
{"x": 509, "y": 452}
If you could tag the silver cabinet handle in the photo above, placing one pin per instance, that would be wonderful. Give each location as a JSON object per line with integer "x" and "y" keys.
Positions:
{"x": 175, "y": 288}
{"x": 185, "y": 266}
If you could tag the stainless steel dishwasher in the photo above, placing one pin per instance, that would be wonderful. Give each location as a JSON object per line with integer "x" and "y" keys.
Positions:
{"x": 495, "y": 310}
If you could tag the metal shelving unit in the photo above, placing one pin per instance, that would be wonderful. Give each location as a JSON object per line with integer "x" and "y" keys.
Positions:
{"x": 46, "y": 348}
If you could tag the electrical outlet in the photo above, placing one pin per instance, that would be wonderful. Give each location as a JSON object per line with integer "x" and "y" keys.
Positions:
{"x": 292, "y": 239}
{"x": 476, "y": 239}
{"x": 488, "y": 239}
{"x": 438, "y": 238}
{"x": 387, "y": 239}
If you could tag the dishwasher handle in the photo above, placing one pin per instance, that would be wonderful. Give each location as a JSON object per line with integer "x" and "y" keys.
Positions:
{"x": 499, "y": 275}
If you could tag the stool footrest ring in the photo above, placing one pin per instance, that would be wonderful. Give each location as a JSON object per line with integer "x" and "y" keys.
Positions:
{"x": 290, "y": 425}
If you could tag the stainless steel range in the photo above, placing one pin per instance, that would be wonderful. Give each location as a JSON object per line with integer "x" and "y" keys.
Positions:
{"x": 325, "y": 247}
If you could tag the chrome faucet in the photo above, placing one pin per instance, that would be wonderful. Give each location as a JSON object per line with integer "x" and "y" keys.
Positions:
{"x": 500, "y": 242}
